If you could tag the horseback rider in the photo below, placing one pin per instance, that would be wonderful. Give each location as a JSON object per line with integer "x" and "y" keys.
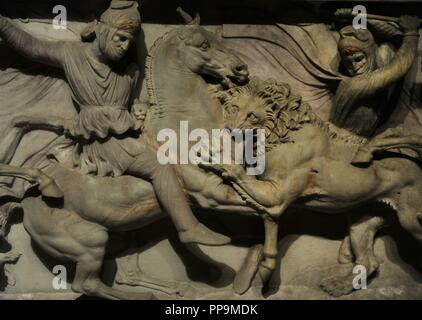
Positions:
{"x": 106, "y": 135}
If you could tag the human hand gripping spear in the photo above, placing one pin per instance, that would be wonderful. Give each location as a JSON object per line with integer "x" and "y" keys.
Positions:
{"x": 345, "y": 13}
{"x": 392, "y": 26}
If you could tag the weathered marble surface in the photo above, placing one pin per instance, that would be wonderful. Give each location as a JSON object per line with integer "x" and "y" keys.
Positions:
{"x": 305, "y": 258}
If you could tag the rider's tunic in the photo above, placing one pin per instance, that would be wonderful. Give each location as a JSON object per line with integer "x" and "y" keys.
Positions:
{"x": 106, "y": 131}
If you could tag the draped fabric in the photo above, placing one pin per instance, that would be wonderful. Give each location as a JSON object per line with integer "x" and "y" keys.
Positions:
{"x": 34, "y": 92}
{"x": 103, "y": 95}
{"x": 290, "y": 54}
{"x": 29, "y": 89}
{"x": 306, "y": 58}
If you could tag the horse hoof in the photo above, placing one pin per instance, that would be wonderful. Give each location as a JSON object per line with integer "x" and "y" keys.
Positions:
{"x": 249, "y": 268}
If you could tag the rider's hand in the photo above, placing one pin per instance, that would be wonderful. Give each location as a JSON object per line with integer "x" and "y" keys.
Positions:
{"x": 140, "y": 110}
{"x": 409, "y": 24}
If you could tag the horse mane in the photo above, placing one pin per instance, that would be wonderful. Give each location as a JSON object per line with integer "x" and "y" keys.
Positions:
{"x": 149, "y": 67}
{"x": 285, "y": 112}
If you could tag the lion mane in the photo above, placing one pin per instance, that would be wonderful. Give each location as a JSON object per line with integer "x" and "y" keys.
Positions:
{"x": 285, "y": 111}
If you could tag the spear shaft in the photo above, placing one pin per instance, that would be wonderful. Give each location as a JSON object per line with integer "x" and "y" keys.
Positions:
{"x": 372, "y": 16}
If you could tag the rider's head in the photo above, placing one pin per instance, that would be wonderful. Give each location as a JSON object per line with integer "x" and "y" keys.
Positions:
{"x": 358, "y": 50}
{"x": 118, "y": 28}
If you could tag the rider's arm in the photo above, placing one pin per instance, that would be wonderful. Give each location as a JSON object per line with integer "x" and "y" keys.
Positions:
{"x": 46, "y": 52}
{"x": 400, "y": 64}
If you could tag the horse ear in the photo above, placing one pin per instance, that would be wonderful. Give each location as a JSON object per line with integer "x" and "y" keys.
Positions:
{"x": 185, "y": 16}
{"x": 197, "y": 20}
{"x": 188, "y": 19}
{"x": 219, "y": 32}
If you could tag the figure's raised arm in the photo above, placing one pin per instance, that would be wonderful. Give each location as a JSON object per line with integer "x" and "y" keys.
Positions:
{"x": 42, "y": 51}
{"x": 402, "y": 61}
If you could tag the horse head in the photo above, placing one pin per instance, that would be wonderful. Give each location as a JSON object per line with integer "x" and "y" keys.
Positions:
{"x": 204, "y": 54}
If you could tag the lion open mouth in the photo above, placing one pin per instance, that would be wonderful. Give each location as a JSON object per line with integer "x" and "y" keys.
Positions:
{"x": 226, "y": 80}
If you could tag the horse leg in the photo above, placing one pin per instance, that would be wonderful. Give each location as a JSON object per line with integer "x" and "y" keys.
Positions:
{"x": 260, "y": 259}
{"x": 171, "y": 197}
{"x": 87, "y": 280}
{"x": 47, "y": 185}
{"x": 362, "y": 237}
{"x": 270, "y": 252}
{"x": 362, "y": 233}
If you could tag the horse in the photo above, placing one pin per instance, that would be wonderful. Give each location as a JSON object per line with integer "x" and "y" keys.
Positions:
{"x": 76, "y": 227}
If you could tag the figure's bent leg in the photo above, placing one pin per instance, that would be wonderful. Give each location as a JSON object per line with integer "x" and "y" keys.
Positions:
{"x": 362, "y": 235}
{"x": 65, "y": 235}
{"x": 87, "y": 280}
{"x": 358, "y": 245}
{"x": 170, "y": 195}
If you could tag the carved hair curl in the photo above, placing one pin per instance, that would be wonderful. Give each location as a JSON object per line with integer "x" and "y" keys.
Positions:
{"x": 285, "y": 111}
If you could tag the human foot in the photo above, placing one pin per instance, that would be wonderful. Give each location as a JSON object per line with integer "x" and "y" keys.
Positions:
{"x": 200, "y": 234}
